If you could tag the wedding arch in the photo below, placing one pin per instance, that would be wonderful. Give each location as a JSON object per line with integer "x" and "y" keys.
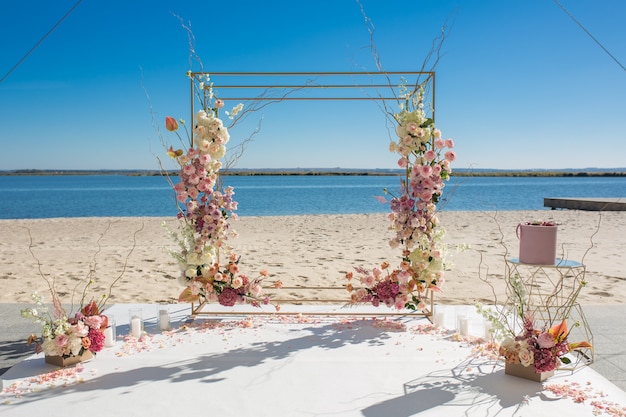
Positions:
{"x": 260, "y": 89}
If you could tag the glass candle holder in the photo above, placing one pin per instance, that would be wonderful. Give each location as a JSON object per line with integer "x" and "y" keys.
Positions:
{"x": 135, "y": 320}
{"x": 163, "y": 317}
{"x": 110, "y": 334}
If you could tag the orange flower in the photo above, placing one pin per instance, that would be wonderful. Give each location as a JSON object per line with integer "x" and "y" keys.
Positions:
{"x": 278, "y": 284}
{"x": 171, "y": 124}
{"x": 559, "y": 331}
{"x": 85, "y": 342}
{"x": 579, "y": 345}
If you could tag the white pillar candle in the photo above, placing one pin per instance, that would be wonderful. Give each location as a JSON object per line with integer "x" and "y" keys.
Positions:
{"x": 464, "y": 326}
{"x": 135, "y": 327}
{"x": 488, "y": 336}
{"x": 440, "y": 318}
{"x": 164, "y": 320}
{"x": 109, "y": 340}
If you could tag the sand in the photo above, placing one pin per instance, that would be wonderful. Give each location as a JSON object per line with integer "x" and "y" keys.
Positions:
{"x": 310, "y": 250}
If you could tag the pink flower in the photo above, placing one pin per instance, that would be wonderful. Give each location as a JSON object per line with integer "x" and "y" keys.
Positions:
{"x": 97, "y": 340}
{"x": 189, "y": 169}
{"x": 194, "y": 179}
{"x": 440, "y": 143}
{"x": 402, "y": 162}
{"x": 219, "y": 103}
{"x": 193, "y": 192}
{"x": 545, "y": 341}
{"x": 450, "y": 156}
{"x": 228, "y": 297}
{"x": 61, "y": 340}
{"x": 94, "y": 322}
{"x": 403, "y": 277}
{"x": 449, "y": 143}
{"x": 425, "y": 171}
{"x": 412, "y": 127}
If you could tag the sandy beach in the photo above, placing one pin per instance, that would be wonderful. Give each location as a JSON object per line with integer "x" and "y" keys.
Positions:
{"x": 311, "y": 250}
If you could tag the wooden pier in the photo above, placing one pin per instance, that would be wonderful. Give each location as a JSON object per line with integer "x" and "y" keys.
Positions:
{"x": 589, "y": 204}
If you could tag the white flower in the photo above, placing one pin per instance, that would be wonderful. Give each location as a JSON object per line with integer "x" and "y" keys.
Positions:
{"x": 237, "y": 283}
{"x": 75, "y": 345}
{"x": 526, "y": 356}
{"x": 191, "y": 272}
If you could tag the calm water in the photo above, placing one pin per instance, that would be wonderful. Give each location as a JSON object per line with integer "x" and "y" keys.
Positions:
{"x": 130, "y": 196}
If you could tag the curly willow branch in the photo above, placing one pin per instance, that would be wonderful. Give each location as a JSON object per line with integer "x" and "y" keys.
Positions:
{"x": 124, "y": 267}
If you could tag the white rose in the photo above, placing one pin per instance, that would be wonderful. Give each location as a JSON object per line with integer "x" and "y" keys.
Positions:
{"x": 526, "y": 356}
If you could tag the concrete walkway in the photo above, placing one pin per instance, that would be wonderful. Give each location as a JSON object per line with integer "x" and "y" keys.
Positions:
{"x": 605, "y": 321}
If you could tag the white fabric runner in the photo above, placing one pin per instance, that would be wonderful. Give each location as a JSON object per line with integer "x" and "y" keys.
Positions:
{"x": 296, "y": 366}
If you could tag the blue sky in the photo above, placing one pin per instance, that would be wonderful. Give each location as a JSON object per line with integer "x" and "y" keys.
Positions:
{"x": 519, "y": 84}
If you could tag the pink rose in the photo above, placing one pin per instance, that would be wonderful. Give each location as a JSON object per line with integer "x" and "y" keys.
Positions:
{"x": 412, "y": 127}
{"x": 430, "y": 155}
{"x": 93, "y": 322}
{"x": 425, "y": 171}
{"x": 61, "y": 340}
{"x": 450, "y": 156}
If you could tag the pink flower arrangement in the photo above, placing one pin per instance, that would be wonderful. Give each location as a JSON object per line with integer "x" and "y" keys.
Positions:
{"x": 425, "y": 158}
{"x": 67, "y": 336}
{"x": 544, "y": 349}
{"x": 206, "y": 211}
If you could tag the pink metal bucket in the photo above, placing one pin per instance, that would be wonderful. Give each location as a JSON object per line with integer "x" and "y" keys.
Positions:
{"x": 537, "y": 244}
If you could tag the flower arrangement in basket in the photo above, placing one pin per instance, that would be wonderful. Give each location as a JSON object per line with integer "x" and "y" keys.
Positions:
{"x": 67, "y": 336}
{"x": 425, "y": 158}
{"x": 542, "y": 348}
{"x": 209, "y": 267}
{"x": 532, "y": 331}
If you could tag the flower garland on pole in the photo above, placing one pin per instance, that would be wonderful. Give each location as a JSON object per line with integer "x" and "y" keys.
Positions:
{"x": 425, "y": 158}
{"x": 209, "y": 266}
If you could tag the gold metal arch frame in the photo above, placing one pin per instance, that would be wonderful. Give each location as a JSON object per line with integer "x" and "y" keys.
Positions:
{"x": 259, "y": 87}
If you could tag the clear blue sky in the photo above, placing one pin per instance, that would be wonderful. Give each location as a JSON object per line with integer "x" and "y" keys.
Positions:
{"x": 519, "y": 84}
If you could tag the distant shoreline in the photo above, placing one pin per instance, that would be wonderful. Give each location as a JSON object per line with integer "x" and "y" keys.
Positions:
{"x": 592, "y": 172}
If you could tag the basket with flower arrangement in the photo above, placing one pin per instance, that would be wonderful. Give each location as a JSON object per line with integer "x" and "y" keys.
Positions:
{"x": 68, "y": 338}
{"x": 540, "y": 350}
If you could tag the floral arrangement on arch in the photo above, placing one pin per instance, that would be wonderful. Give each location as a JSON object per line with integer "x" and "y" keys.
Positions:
{"x": 425, "y": 157}
{"x": 542, "y": 348}
{"x": 209, "y": 267}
